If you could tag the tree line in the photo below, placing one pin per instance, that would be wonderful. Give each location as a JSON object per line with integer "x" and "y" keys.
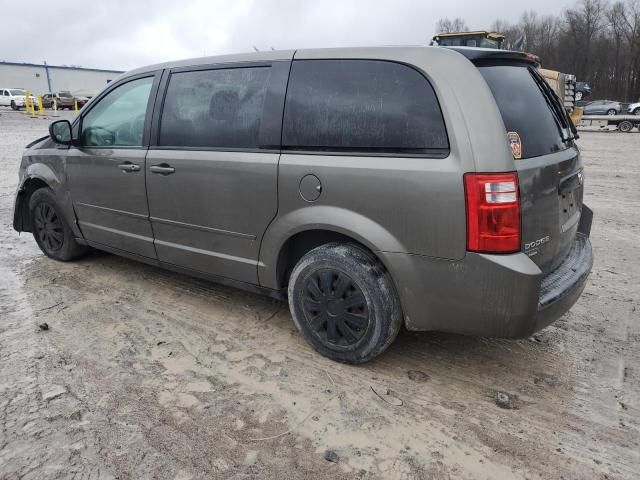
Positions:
{"x": 596, "y": 40}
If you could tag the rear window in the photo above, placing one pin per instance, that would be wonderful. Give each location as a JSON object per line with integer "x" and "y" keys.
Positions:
{"x": 524, "y": 109}
{"x": 362, "y": 106}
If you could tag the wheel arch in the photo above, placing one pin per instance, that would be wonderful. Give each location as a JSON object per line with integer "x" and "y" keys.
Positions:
{"x": 300, "y": 243}
{"x": 290, "y": 237}
{"x": 21, "y": 215}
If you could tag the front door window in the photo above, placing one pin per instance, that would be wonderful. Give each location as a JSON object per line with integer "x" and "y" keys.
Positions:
{"x": 118, "y": 119}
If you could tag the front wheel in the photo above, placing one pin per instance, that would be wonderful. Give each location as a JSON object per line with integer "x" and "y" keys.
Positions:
{"x": 344, "y": 303}
{"x": 636, "y": 111}
{"x": 14, "y": 106}
{"x": 611, "y": 112}
{"x": 50, "y": 230}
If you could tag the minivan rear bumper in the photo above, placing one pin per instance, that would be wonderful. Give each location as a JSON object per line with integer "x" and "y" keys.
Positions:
{"x": 488, "y": 295}
{"x": 560, "y": 289}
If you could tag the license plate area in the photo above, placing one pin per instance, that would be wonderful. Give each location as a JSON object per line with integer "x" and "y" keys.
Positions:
{"x": 569, "y": 199}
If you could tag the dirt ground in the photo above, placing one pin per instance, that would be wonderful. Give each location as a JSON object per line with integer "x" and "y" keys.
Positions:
{"x": 150, "y": 374}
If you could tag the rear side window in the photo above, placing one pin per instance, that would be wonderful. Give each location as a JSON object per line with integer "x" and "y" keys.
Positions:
{"x": 524, "y": 109}
{"x": 362, "y": 106}
{"x": 219, "y": 108}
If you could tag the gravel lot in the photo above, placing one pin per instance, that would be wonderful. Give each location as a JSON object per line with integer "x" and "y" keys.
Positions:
{"x": 150, "y": 374}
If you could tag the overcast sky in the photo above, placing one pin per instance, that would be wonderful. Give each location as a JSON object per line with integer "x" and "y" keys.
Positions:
{"x": 123, "y": 34}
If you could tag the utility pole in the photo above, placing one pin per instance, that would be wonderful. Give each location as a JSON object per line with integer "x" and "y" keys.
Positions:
{"x": 46, "y": 69}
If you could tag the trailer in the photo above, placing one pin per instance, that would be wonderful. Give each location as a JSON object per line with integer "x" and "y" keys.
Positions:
{"x": 623, "y": 123}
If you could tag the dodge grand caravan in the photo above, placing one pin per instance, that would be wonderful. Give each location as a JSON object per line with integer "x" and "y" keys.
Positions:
{"x": 439, "y": 189}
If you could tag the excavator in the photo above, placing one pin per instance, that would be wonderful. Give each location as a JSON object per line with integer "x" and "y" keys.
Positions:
{"x": 563, "y": 84}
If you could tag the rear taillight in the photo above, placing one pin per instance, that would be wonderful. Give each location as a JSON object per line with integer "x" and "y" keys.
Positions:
{"x": 493, "y": 212}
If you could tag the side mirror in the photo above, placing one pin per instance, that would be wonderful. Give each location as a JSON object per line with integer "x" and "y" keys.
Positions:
{"x": 60, "y": 132}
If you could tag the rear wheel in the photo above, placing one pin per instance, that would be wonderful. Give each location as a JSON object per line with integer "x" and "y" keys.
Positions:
{"x": 611, "y": 112}
{"x": 344, "y": 303}
{"x": 51, "y": 232}
{"x": 625, "y": 126}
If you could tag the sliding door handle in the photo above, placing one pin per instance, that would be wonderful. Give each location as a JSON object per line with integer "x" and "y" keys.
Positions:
{"x": 129, "y": 167}
{"x": 162, "y": 169}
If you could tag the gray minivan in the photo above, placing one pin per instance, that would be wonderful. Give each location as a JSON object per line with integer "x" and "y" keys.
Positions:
{"x": 435, "y": 188}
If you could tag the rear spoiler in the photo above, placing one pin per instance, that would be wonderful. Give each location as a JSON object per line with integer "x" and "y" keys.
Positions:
{"x": 481, "y": 55}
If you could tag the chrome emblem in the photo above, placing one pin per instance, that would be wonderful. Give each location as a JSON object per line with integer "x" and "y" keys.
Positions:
{"x": 536, "y": 243}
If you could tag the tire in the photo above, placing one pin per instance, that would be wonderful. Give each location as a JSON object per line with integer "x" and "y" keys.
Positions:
{"x": 625, "y": 126}
{"x": 14, "y": 106}
{"x": 344, "y": 303}
{"x": 636, "y": 111}
{"x": 611, "y": 112}
{"x": 50, "y": 230}
{"x": 578, "y": 96}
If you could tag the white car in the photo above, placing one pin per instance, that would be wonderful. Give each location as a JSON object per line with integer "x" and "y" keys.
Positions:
{"x": 634, "y": 108}
{"x": 14, "y": 98}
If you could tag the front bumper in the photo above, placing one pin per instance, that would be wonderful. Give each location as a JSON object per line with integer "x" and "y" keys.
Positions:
{"x": 489, "y": 295}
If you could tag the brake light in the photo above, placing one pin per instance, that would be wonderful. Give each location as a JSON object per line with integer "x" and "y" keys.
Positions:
{"x": 493, "y": 212}
{"x": 533, "y": 58}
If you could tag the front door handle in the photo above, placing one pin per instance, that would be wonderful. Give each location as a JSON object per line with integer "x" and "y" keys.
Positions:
{"x": 162, "y": 169}
{"x": 129, "y": 167}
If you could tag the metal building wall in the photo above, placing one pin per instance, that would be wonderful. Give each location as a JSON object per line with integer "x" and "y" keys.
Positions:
{"x": 34, "y": 78}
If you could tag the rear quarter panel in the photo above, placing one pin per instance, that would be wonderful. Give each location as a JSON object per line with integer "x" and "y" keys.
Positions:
{"x": 397, "y": 204}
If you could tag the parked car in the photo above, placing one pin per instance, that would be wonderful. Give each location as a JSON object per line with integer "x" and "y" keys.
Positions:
{"x": 604, "y": 107}
{"x": 63, "y": 99}
{"x": 47, "y": 100}
{"x": 373, "y": 188}
{"x": 634, "y": 108}
{"x": 583, "y": 90}
{"x": 14, "y": 98}
{"x": 82, "y": 101}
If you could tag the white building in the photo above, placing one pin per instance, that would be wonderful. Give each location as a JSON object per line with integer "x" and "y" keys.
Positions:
{"x": 40, "y": 79}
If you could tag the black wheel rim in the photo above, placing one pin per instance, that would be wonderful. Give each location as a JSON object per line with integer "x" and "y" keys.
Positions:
{"x": 48, "y": 227}
{"x": 335, "y": 308}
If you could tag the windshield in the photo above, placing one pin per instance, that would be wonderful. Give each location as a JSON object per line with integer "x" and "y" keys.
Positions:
{"x": 525, "y": 109}
{"x": 16, "y": 91}
{"x": 489, "y": 43}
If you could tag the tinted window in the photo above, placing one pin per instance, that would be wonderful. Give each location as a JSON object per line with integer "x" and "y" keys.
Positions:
{"x": 524, "y": 109}
{"x": 362, "y": 105}
{"x": 118, "y": 118}
{"x": 214, "y": 108}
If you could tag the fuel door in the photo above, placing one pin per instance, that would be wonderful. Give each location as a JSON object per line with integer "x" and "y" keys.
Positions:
{"x": 310, "y": 188}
